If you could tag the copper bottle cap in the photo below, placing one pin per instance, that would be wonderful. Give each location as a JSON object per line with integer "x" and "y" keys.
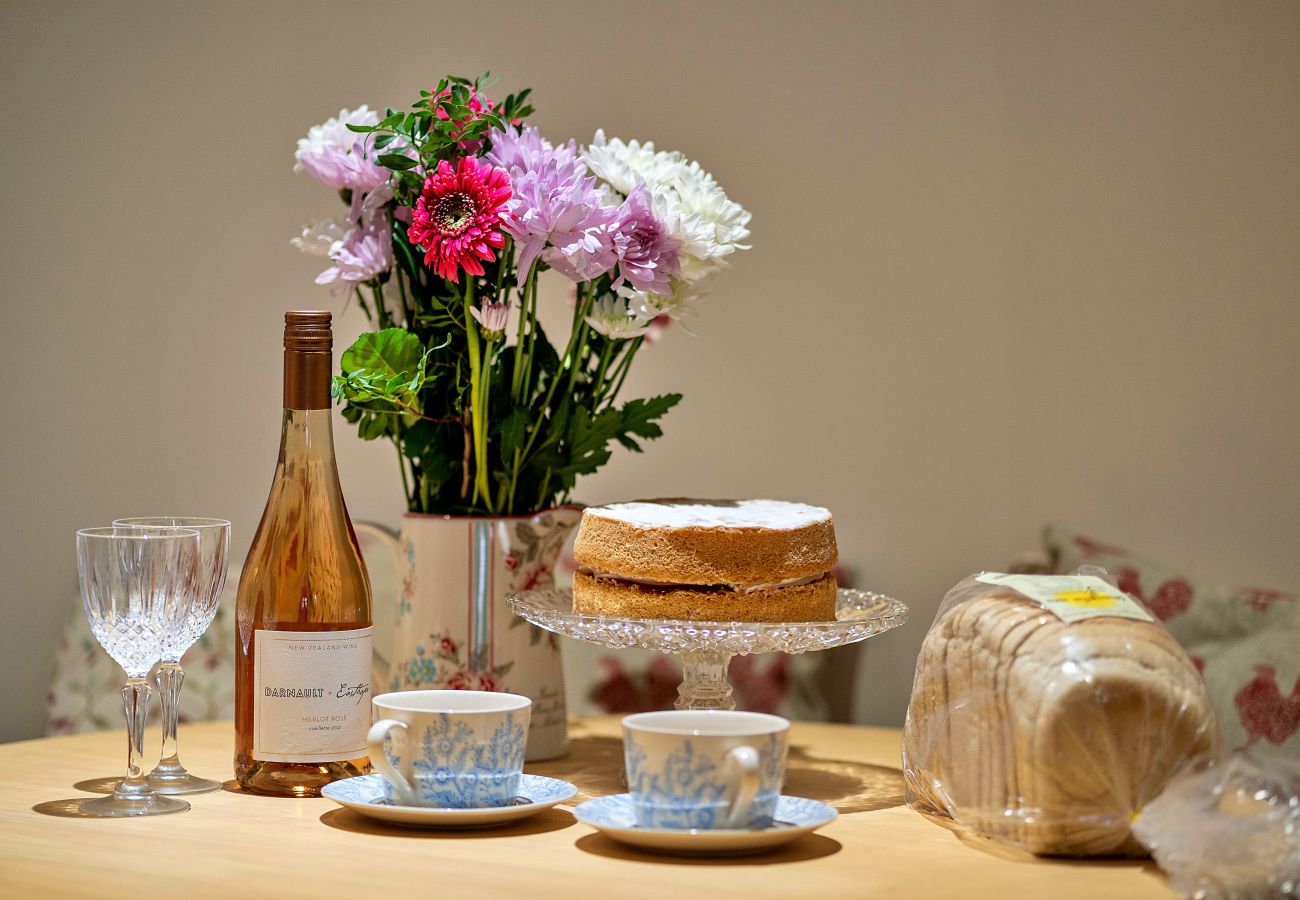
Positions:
{"x": 309, "y": 330}
{"x": 308, "y": 342}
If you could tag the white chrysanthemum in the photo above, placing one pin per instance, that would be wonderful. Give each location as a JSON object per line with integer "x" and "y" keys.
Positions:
{"x": 339, "y": 158}
{"x": 333, "y": 134}
{"x": 646, "y": 306}
{"x": 621, "y": 165}
{"x": 694, "y": 209}
{"x": 319, "y": 236}
{"x": 713, "y": 226}
{"x": 612, "y": 317}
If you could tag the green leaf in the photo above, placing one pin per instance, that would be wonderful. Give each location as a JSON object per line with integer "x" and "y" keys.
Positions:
{"x": 439, "y": 468}
{"x": 639, "y": 415}
{"x": 388, "y": 368}
{"x": 371, "y": 428}
{"x": 417, "y": 438}
{"x": 397, "y": 161}
{"x": 587, "y": 437}
{"x": 514, "y": 431}
{"x": 362, "y": 129}
{"x": 391, "y": 350}
{"x": 383, "y": 141}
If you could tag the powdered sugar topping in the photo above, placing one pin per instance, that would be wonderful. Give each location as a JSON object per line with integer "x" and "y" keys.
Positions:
{"x": 777, "y": 515}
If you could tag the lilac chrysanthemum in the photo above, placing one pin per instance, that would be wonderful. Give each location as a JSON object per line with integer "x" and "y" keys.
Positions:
{"x": 524, "y": 149}
{"x": 364, "y": 253}
{"x": 555, "y": 211}
{"x": 648, "y": 254}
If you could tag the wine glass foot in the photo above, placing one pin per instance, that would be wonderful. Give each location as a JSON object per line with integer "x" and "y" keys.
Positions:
{"x": 182, "y": 782}
{"x": 119, "y": 805}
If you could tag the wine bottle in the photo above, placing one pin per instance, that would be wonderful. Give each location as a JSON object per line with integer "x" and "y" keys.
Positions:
{"x": 303, "y": 620}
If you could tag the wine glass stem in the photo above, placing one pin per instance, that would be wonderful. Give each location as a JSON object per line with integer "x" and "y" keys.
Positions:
{"x": 170, "y": 678}
{"x": 135, "y": 701}
{"x": 704, "y": 681}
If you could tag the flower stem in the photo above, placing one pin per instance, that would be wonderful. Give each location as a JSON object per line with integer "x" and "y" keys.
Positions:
{"x": 605, "y": 356}
{"x": 619, "y": 375}
{"x": 517, "y": 381}
{"x": 385, "y": 321}
{"x": 580, "y": 355}
{"x": 514, "y": 482}
{"x": 584, "y": 298}
{"x": 361, "y": 301}
{"x": 475, "y": 385}
{"x": 532, "y": 331}
{"x": 485, "y": 387}
{"x": 401, "y": 466}
{"x": 505, "y": 253}
{"x": 406, "y": 308}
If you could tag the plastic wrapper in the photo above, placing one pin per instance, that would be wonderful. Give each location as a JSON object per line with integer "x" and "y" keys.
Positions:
{"x": 1047, "y": 710}
{"x": 1229, "y": 831}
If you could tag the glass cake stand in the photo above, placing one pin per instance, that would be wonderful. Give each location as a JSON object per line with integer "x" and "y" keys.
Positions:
{"x": 706, "y": 648}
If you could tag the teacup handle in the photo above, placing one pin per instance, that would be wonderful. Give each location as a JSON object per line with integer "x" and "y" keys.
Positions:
{"x": 379, "y": 760}
{"x": 743, "y": 761}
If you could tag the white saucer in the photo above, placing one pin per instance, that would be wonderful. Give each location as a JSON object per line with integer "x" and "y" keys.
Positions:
{"x": 365, "y": 794}
{"x": 795, "y": 817}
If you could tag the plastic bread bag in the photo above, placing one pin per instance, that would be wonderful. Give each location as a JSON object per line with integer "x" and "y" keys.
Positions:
{"x": 1047, "y": 710}
{"x": 1229, "y": 831}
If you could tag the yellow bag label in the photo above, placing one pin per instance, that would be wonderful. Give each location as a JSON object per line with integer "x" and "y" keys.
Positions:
{"x": 1072, "y": 597}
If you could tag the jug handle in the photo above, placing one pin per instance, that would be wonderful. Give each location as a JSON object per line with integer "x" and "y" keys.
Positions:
{"x": 388, "y": 537}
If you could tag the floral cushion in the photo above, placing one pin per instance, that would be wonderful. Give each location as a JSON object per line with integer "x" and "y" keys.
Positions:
{"x": 600, "y": 680}
{"x": 85, "y": 689}
{"x": 1243, "y": 640}
{"x": 84, "y": 692}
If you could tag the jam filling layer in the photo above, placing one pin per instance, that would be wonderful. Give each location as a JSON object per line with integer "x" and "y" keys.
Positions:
{"x": 664, "y": 587}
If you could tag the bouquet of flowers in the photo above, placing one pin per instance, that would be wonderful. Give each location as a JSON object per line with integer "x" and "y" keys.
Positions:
{"x": 453, "y": 211}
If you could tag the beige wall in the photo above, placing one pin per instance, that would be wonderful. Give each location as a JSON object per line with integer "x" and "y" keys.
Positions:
{"x": 1012, "y": 263}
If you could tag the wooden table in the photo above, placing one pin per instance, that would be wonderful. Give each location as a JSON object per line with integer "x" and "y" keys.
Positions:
{"x": 233, "y": 845}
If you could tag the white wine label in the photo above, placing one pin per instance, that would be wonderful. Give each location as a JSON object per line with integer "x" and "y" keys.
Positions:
{"x": 1072, "y": 597}
{"x": 311, "y": 695}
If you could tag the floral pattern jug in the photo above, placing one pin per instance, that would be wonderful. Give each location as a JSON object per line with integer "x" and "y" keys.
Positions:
{"x": 452, "y": 628}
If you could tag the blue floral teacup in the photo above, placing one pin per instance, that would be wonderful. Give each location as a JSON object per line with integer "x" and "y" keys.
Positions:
{"x": 704, "y": 768}
{"x": 450, "y": 749}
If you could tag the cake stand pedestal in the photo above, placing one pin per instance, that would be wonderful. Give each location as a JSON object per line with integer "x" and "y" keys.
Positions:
{"x": 706, "y": 648}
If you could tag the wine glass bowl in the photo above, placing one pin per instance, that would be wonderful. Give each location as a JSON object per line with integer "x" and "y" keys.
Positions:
{"x": 136, "y": 584}
{"x": 169, "y": 776}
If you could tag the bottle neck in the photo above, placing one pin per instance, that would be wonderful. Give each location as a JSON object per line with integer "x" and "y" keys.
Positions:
{"x": 307, "y": 432}
{"x": 307, "y": 442}
{"x": 307, "y": 379}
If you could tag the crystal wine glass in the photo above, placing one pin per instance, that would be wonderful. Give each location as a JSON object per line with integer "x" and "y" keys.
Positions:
{"x": 169, "y": 776}
{"x": 136, "y": 584}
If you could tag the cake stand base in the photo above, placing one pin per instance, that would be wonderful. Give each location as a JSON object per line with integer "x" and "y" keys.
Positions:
{"x": 704, "y": 681}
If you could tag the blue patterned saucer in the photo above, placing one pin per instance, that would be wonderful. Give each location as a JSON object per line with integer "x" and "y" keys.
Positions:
{"x": 795, "y": 817}
{"x": 366, "y": 795}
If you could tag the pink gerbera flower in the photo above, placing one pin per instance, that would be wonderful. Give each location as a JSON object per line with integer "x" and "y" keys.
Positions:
{"x": 457, "y": 219}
